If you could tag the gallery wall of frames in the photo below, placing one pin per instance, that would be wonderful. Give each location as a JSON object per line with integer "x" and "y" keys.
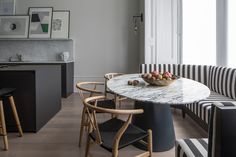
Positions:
{"x": 40, "y": 22}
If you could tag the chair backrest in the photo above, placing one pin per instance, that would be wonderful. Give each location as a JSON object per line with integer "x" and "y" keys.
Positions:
{"x": 109, "y": 76}
{"x": 88, "y": 89}
{"x": 223, "y": 80}
{"x": 222, "y": 130}
{"x": 91, "y": 110}
{"x": 198, "y": 73}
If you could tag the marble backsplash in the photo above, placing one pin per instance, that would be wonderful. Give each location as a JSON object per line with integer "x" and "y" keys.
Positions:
{"x": 35, "y": 50}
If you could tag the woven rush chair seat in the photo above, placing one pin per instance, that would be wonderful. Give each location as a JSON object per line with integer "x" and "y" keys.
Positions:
{"x": 109, "y": 129}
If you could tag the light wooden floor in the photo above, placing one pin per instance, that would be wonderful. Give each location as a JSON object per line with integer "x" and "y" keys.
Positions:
{"x": 59, "y": 138}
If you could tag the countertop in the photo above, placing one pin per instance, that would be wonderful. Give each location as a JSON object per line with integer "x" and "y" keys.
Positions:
{"x": 36, "y": 62}
{"x": 22, "y": 67}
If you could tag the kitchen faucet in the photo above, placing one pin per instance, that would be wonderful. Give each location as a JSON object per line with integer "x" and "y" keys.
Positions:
{"x": 19, "y": 58}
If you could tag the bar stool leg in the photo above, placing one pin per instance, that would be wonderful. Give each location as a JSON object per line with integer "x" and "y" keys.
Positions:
{"x": 4, "y": 131}
{"x": 13, "y": 106}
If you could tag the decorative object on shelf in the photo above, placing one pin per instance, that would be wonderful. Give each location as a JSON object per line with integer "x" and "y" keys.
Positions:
{"x": 60, "y": 24}
{"x": 40, "y": 22}
{"x": 65, "y": 56}
{"x": 14, "y": 26}
{"x": 7, "y": 7}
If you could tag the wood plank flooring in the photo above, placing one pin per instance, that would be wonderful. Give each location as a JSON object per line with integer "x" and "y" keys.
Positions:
{"x": 59, "y": 138}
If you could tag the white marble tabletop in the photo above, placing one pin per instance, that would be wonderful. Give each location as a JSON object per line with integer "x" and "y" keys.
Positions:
{"x": 181, "y": 91}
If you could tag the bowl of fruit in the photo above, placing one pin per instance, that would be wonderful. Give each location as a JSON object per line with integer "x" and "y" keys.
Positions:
{"x": 159, "y": 79}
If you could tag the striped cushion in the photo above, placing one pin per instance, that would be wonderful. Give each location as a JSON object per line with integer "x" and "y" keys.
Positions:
{"x": 198, "y": 73}
{"x": 191, "y": 148}
{"x": 223, "y": 81}
{"x": 147, "y": 68}
{"x": 222, "y": 142}
{"x": 202, "y": 108}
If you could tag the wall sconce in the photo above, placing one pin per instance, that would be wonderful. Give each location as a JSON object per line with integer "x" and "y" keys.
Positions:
{"x": 136, "y": 18}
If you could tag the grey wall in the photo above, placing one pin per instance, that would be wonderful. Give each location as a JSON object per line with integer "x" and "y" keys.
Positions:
{"x": 102, "y": 32}
{"x": 142, "y": 34}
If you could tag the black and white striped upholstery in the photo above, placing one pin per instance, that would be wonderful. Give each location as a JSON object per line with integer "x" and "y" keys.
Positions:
{"x": 198, "y": 73}
{"x": 223, "y": 81}
{"x": 222, "y": 135}
{"x": 202, "y": 108}
{"x": 191, "y": 147}
{"x": 222, "y": 130}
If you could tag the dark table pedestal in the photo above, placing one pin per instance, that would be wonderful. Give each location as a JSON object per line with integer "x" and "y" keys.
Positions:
{"x": 157, "y": 117}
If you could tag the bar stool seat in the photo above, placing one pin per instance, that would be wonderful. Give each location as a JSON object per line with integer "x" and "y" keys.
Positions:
{"x": 8, "y": 93}
{"x": 4, "y": 92}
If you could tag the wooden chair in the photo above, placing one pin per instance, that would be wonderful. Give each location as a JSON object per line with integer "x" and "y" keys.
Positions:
{"x": 88, "y": 89}
{"x": 115, "y": 134}
{"x": 7, "y": 93}
{"x": 107, "y": 77}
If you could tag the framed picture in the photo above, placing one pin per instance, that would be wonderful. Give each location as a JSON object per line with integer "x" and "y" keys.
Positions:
{"x": 14, "y": 26}
{"x": 60, "y": 24}
{"x": 40, "y": 22}
{"x": 7, "y": 7}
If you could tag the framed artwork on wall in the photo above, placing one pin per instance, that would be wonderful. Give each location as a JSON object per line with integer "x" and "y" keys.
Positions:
{"x": 7, "y": 7}
{"x": 14, "y": 26}
{"x": 40, "y": 22}
{"x": 60, "y": 24}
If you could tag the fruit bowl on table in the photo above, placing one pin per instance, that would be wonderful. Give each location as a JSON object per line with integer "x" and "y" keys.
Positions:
{"x": 159, "y": 79}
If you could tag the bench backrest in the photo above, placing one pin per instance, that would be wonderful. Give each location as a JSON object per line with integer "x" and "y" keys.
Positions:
{"x": 223, "y": 80}
{"x": 222, "y": 130}
{"x": 198, "y": 73}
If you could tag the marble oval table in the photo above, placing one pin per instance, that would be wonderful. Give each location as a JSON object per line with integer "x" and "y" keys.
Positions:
{"x": 156, "y": 101}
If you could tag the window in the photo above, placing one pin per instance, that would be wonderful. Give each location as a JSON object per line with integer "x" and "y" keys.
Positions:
{"x": 199, "y": 32}
{"x": 232, "y": 33}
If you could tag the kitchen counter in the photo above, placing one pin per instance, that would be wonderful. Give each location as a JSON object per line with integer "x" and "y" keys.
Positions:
{"x": 67, "y": 72}
{"x": 37, "y": 95}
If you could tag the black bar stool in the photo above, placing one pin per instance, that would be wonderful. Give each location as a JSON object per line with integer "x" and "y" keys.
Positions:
{"x": 7, "y": 93}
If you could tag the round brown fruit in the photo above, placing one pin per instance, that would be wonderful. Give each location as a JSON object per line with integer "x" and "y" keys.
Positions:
{"x": 130, "y": 82}
{"x": 160, "y": 77}
{"x": 135, "y": 82}
{"x": 155, "y": 73}
{"x": 153, "y": 78}
{"x": 149, "y": 76}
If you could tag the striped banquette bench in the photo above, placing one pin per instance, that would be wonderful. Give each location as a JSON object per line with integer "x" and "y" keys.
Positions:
{"x": 220, "y": 80}
{"x": 221, "y": 140}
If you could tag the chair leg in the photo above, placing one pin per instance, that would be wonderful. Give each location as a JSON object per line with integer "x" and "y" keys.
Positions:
{"x": 115, "y": 153}
{"x": 3, "y": 123}
{"x": 150, "y": 142}
{"x": 183, "y": 113}
{"x": 87, "y": 146}
{"x": 13, "y": 106}
{"x": 115, "y": 150}
{"x": 82, "y": 124}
